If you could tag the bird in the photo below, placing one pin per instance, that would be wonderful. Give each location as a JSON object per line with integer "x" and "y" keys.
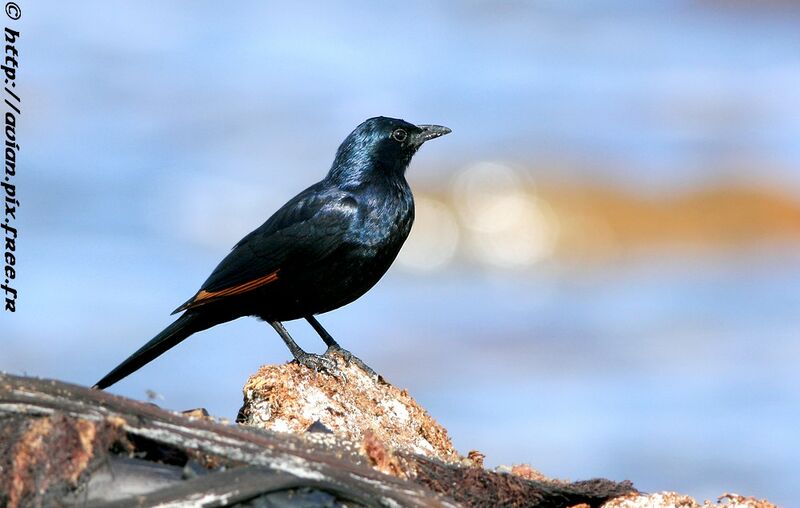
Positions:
{"x": 323, "y": 249}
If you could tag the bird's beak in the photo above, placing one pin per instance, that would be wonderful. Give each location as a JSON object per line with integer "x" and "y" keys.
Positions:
{"x": 431, "y": 131}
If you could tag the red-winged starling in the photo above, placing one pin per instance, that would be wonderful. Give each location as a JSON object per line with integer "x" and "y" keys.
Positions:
{"x": 323, "y": 249}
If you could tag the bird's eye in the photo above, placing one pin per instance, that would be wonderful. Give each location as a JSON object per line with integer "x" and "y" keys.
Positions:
{"x": 399, "y": 135}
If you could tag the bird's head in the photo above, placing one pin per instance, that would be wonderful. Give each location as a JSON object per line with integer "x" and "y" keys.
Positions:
{"x": 381, "y": 146}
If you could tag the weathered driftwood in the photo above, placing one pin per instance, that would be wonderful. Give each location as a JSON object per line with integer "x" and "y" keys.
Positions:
{"x": 62, "y": 444}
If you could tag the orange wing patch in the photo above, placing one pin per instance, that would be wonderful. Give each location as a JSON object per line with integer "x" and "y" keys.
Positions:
{"x": 203, "y": 297}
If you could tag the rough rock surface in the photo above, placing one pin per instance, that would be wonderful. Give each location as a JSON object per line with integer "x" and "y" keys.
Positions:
{"x": 675, "y": 500}
{"x": 291, "y": 398}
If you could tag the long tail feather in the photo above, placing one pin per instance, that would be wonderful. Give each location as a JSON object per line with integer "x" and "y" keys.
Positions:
{"x": 182, "y": 328}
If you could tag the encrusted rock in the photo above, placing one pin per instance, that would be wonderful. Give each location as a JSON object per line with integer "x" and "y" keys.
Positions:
{"x": 675, "y": 500}
{"x": 357, "y": 407}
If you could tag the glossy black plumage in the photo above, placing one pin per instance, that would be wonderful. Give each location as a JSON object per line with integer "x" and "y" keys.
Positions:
{"x": 323, "y": 249}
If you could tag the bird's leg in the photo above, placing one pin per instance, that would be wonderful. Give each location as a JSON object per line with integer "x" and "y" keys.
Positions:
{"x": 314, "y": 362}
{"x": 323, "y": 333}
{"x": 334, "y": 347}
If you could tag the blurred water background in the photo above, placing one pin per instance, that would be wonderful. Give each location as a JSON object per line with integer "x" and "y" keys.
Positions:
{"x": 604, "y": 278}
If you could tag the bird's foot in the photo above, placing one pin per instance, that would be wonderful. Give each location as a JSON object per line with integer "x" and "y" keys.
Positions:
{"x": 320, "y": 363}
{"x": 350, "y": 358}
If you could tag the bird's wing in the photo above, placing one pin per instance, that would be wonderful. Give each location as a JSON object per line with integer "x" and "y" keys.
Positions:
{"x": 304, "y": 231}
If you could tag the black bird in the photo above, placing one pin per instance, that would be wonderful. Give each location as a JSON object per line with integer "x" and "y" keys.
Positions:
{"x": 323, "y": 249}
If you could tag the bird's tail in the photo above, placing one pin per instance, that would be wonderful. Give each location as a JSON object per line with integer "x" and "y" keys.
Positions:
{"x": 183, "y": 327}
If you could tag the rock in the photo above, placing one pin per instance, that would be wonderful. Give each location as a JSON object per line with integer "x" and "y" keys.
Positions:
{"x": 529, "y": 473}
{"x": 358, "y": 407}
{"x": 675, "y": 500}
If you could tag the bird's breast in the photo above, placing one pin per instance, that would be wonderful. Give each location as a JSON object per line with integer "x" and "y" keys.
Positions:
{"x": 384, "y": 224}
{"x": 371, "y": 244}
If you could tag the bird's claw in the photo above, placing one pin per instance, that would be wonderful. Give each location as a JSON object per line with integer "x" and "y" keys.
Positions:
{"x": 350, "y": 358}
{"x": 320, "y": 363}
